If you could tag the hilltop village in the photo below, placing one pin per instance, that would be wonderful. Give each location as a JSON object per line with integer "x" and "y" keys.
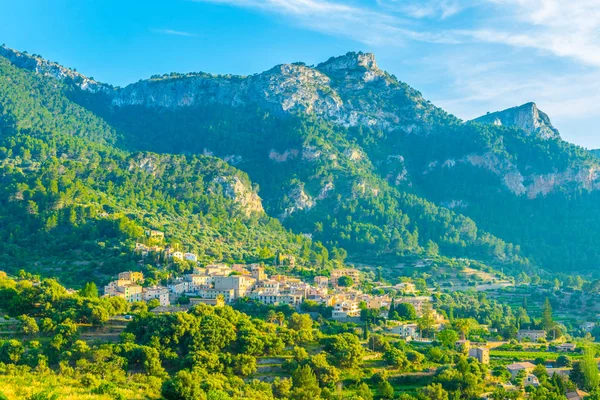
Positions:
{"x": 424, "y": 329}
{"x": 409, "y": 310}
{"x": 219, "y": 284}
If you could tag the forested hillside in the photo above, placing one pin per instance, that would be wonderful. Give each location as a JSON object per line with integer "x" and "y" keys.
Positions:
{"x": 349, "y": 138}
{"x": 71, "y": 205}
{"x": 315, "y": 178}
{"x": 343, "y": 152}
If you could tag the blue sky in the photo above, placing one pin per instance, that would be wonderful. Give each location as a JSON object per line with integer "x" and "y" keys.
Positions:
{"x": 468, "y": 57}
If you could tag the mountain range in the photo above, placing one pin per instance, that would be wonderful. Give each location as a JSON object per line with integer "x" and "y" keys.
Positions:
{"x": 320, "y": 161}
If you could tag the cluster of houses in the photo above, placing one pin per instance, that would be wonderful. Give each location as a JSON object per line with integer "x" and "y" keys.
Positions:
{"x": 218, "y": 283}
{"x": 128, "y": 285}
{"x": 152, "y": 245}
{"x": 529, "y": 379}
{"x": 169, "y": 252}
{"x": 534, "y": 335}
{"x": 223, "y": 283}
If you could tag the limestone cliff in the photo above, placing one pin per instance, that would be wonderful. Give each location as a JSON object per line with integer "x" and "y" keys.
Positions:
{"x": 526, "y": 117}
{"x": 349, "y": 90}
{"x": 240, "y": 193}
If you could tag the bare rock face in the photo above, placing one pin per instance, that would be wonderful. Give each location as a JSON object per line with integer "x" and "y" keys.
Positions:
{"x": 146, "y": 164}
{"x": 526, "y": 117}
{"x": 244, "y": 196}
{"x": 351, "y": 61}
{"x": 355, "y": 69}
{"x": 288, "y": 154}
{"x": 532, "y": 185}
{"x": 299, "y": 200}
{"x": 179, "y": 91}
{"x": 349, "y": 90}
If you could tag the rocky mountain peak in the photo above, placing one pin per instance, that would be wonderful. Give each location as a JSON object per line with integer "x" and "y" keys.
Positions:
{"x": 348, "y": 90}
{"x": 37, "y": 64}
{"x": 527, "y": 117}
{"x": 348, "y": 62}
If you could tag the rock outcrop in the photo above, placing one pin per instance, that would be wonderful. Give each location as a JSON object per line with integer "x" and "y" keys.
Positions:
{"x": 526, "y": 117}
{"x": 339, "y": 90}
{"x": 242, "y": 195}
{"x": 531, "y": 185}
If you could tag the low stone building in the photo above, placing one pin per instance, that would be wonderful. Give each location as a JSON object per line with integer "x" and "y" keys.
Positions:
{"x": 134, "y": 277}
{"x": 336, "y": 274}
{"x": 531, "y": 380}
{"x": 345, "y": 309}
{"x": 482, "y": 354}
{"x": 157, "y": 292}
{"x": 566, "y": 347}
{"x": 406, "y": 331}
{"x": 321, "y": 281}
{"x": 531, "y": 334}
{"x": 515, "y": 368}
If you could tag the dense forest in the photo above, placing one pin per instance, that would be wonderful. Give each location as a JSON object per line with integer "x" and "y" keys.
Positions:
{"x": 323, "y": 169}
{"x": 436, "y": 186}
{"x": 72, "y": 205}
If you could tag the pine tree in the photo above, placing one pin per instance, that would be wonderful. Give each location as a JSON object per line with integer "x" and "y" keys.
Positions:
{"x": 306, "y": 385}
{"x": 392, "y": 310}
{"x": 547, "y": 321}
{"x": 523, "y": 318}
{"x": 426, "y": 321}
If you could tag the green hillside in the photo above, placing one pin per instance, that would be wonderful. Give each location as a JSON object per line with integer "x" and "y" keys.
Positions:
{"x": 342, "y": 152}
{"x": 71, "y": 206}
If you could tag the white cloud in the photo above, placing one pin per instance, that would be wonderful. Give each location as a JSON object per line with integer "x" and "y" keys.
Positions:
{"x": 437, "y": 9}
{"x": 499, "y": 54}
{"x": 173, "y": 32}
{"x": 362, "y": 24}
{"x": 477, "y": 83}
{"x": 564, "y": 28}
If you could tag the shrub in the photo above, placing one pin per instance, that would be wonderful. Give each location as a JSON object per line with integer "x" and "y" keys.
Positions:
{"x": 539, "y": 361}
{"x": 563, "y": 361}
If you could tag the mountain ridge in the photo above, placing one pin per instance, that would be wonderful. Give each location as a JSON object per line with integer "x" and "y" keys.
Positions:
{"x": 346, "y": 153}
{"x": 192, "y": 88}
{"x": 38, "y": 64}
{"x": 526, "y": 117}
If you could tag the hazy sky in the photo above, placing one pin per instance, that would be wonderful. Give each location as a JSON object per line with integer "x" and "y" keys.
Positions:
{"x": 468, "y": 57}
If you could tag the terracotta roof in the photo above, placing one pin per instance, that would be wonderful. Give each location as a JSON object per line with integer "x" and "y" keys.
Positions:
{"x": 576, "y": 394}
{"x": 521, "y": 365}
